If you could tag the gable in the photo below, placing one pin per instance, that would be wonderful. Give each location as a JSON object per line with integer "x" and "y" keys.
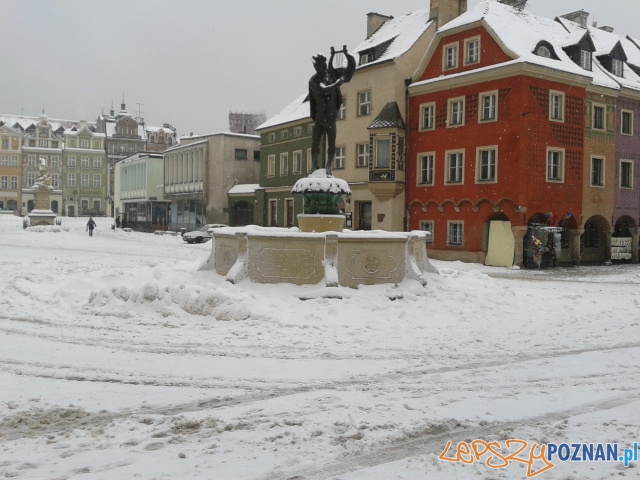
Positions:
{"x": 491, "y": 52}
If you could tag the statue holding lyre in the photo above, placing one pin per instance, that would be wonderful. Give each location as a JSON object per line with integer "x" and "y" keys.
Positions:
{"x": 325, "y": 101}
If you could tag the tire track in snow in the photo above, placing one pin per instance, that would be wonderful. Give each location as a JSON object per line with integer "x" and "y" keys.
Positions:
{"x": 433, "y": 441}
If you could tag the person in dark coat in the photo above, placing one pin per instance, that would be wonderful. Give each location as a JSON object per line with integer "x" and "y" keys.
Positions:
{"x": 91, "y": 224}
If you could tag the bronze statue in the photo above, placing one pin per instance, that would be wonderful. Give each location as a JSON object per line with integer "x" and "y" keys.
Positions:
{"x": 325, "y": 100}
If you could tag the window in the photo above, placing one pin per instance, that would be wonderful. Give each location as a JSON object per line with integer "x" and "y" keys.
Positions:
{"x": 425, "y": 169}
{"x": 555, "y": 165}
{"x": 338, "y": 161}
{"x": 487, "y": 164}
{"x": 454, "y": 233}
{"x": 363, "y": 155}
{"x": 450, "y": 56}
{"x": 597, "y": 172}
{"x": 4, "y": 182}
{"x": 55, "y": 161}
{"x": 585, "y": 59}
{"x": 84, "y": 162}
{"x": 472, "y": 50}
{"x": 626, "y": 174}
{"x": 14, "y": 182}
{"x": 84, "y": 143}
{"x": 427, "y": 116}
{"x": 271, "y": 166}
{"x": 284, "y": 134}
{"x": 342, "y": 111}
{"x": 44, "y": 142}
{"x": 97, "y": 162}
{"x": 31, "y": 179}
{"x": 14, "y": 160}
{"x": 543, "y": 51}
{"x": 297, "y": 162}
{"x": 556, "y": 106}
{"x": 55, "y": 180}
{"x": 96, "y": 205}
{"x": 5, "y": 144}
{"x": 272, "y": 137}
{"x": 84, "y": 180}
{"x": 31, "y": 160}
{"x": 617, "y": 67}
{"x": 71, "y": 179}
{"x": 427, "y": 226}
{"x": 71, "y": 162}
{"x": 456, "y": 112}
{"x": 297, "y": 132}
{"x": 383, "y": 153}
{"x": 97, "y": 180}
{"x": 364, "y": 103}
{"x": 598, "y": 117}
{"x": 241, "y": 154}
{"x": 488, "y": 106}
{"x": 4, "y": 160}
{"x": 284, "y": 164}
{"x": 454, "y": 168}
{"x": 626, "y": 123}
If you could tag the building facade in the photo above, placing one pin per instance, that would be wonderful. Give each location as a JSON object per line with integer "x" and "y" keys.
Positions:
{"x": 200, "y": 171}
{"x": 10, "y": 168}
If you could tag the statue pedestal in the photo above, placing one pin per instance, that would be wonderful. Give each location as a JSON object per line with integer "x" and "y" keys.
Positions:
{"x": 320, "y": 223}
{"x": 41, "y": 214}
{"x": 41, "y": 217}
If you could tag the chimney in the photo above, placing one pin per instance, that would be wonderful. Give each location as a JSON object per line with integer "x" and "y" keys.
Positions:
{"x": 375, "y": 21}
{"x": 580, "y": 17}
{"x": 443, "y": 11}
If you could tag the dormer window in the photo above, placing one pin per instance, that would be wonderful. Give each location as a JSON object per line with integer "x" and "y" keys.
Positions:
{"x": 617, "y": 67}
{"x": 367, "y": 57}
{"x": 585, "y": 59}
{"x": 543, "y": 51}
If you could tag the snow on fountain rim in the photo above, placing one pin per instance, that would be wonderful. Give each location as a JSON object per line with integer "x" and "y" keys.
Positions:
{"x": 320, "y": 182}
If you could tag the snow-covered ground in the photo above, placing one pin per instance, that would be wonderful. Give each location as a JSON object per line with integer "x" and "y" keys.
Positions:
{"x": 120, "y": 359}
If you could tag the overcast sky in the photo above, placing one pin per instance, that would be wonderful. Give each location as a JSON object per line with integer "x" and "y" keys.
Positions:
{"x": 190, "y": 62}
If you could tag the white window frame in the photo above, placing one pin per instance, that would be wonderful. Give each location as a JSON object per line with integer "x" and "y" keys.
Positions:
{"x": 492, "y": 108}
{"x": 84, "y": 162}
{"x": 601, "y": 177}
{"x": 458, "y": 241}
{"x": 364, "y": 103}
{"x": 479, "y": 166}
{"x": 362, "y": 159}
{"x": 622, "y": 115}
{"x": 459, "y": 177}
{"x": 342, "y": 111}
{"x": 556, "y": 112}
{"x": 594, "y": 108}
{"x": 71, "y": 162}
{"x": 338, "y": 161}
{"x": 431, "y": 158}
{"x": 71, "y": 179}
{"x": 468, "y": 43}
{"x": 97, "y": 180}
{"x": 273, "y": 220}
{"x": 456, "y": 111}
{"x": 631, "y": 167}
{"x": 271, "y": 166}
{"x": 586, "y": 59}
{"x": 309, "y": 160}
{"x": 428, "y": 122}
{"x": 561, "y": 167}
{"x": 428, "y": 226}
{"x": 450, "y": 56}
{"x": 97, "y": 162}
{"x": 297, "y": 161}
{"x": 377, "y": 164}
{"x": 284, "y": 164}
{"x": 84, "y": 180}
{"x": 617, "y": 67}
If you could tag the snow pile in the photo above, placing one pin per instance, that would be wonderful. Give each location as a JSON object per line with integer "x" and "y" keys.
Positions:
{"x": 320, "y": 182}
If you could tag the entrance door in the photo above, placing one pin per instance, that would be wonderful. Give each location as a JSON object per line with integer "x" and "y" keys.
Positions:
{"x": 364, "y": 215}
{"x": 71, "y": 211}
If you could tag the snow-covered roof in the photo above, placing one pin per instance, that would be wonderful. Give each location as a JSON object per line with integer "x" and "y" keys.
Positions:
{"x": 521, "y": 32}
{"x": 295, "y": 111}
{"x": 24, "y": 122}
{"x": 245, "y": 188}
{"x": 400, "y": 34}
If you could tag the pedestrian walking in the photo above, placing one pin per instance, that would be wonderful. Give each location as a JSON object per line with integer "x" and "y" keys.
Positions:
{"x": 91, "y": 224}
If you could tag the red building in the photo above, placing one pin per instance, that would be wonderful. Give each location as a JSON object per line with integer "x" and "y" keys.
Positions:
{"x": 496, "y": 133}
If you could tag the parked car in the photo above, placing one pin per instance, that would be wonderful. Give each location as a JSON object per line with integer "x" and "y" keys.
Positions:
{"x": 202, "y": 234}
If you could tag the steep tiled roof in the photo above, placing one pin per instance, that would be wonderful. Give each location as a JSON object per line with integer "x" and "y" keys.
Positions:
{"x": 389, "y": 117}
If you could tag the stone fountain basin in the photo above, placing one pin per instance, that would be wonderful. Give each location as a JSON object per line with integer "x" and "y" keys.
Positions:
{"x": 347, "y": 258}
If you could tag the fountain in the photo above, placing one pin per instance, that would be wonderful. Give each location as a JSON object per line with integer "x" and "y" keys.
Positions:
{"x": 321, "y": 250}
{"x": 42, "y": 213}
